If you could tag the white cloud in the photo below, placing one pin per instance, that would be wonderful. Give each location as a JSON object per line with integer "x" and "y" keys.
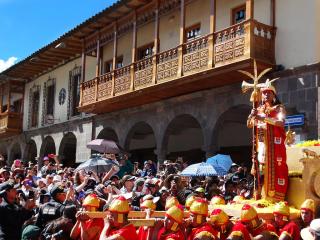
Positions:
{"x": 4, "y": 64}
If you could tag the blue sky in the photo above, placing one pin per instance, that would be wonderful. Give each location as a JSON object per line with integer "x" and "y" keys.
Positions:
{"x": 27, "y": 25}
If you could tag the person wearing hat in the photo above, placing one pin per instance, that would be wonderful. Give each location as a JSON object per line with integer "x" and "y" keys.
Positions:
{"x": 199, "y": 192}
{"x": 12, "y": 215}
{"x": 148, "y": 204}
{"x": 128, "y": 184}
{"x": 164, "y": 194}
{"x": 54, "y": 208}
{"x": 44, "y": 168}
{"x": 287, "y": 230}
{"x": 221, "y": 223}
{"x": 4, "y": 174}
{"x": 312, "y": 232}
{"x": 31, "y": 232}
{"x": 86, "y": 228}
{"x": 307, "y": 211}
{"x": 117, "y": 225}
{"x": 189, "y": 201}
{"x": 198, "y": 219}
{"x": 268, "y": 119}
{"x": 171, "y": 227}
{"x": 217, "y": 200}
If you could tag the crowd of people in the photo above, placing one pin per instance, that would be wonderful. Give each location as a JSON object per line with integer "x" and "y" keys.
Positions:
{"x": 54, "y": 202}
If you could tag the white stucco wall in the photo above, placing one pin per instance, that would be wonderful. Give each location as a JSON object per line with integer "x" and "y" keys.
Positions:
{"x": 145, "y": 34}
{"x": 124, "y": 47}
{"x": 297, "y": 32}
{"x": 61, "y": 75}
{"x": 169, "y": 30}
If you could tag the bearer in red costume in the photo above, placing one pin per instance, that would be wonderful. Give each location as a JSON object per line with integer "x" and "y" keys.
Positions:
{"x": 171, "y": 229}
{"x": 287, "y": 230}
{"x": 117, "y": 226}
{"x": 221, "y": 223}
{"x": 86, "y": 228}
{"x": 269, "y": 119}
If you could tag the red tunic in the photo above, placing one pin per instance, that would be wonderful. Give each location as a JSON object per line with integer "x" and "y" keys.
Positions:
{"x": 205, "y": 227}
{"x": 95, "y": 222}
{"x": 262, "y": 228}
{"x": 143, "y": 233}
{"x": 127, "y": 232}
{"x": 240, "y": 230}
{"x": 292, "y": 230}
{"x": 162, "y": 235}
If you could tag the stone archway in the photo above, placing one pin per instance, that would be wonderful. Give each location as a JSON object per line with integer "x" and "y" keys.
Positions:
{"x": 15, "y": 153}
{"x": 68, "y": 149}
{"x": 48, "y": 146}
{"x": 231, "y": 135}
{"x": 184, "y": 138}
{"x": 141, "y": 143}
{"x": 30, "y": 151}
{"x": 108, "y": 134}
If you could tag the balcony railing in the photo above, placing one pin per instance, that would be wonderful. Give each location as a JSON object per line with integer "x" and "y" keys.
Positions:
{"x": 246, "y": 40}
{"x": 10, "y": 123}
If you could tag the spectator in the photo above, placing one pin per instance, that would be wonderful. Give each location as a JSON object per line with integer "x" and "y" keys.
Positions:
{"x": 128, "y": 184}
{"x": 12, "y": 215}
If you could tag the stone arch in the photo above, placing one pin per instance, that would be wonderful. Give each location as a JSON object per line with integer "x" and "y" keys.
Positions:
{"x": 15, "y": 152}
{"x": 48, "y": 146}
{"x": 231, "y": 135}
{"x": 184, "y": 138}
{"x": 30, "y": 151}
{"x": 4, "y": 154}
{"x": 68, "y": 149}
{"x": 141, "y": 142}
{"x": 108, "y": 134}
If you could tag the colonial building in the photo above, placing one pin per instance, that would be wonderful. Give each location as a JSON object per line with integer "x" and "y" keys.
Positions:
{"x": 160, "y": 78}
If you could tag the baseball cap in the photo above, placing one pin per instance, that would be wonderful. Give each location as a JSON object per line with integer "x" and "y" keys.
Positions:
{"x": 127, "y": 178}
{"x": 306, "y": 233}
{"x": 2, "y": 170}
{"x": 45, "y": 158}
{"x": 7, "y": 186}
{"x": 57, "y": 178}
{"x": 56, "y": 189}
{"x": 30, "y": 232}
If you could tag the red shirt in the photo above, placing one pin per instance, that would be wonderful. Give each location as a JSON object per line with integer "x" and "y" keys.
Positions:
{"x": 205, "y": 227}
{"x": 95, "y": 222}
{"x": 292, "y": 230}
{"x": 178, "y": 235}
{"x": 128, "y": 232}
{"x": 240, "y": 230}
{"x": 262, "y": 228}
{"x": 143, "y": 233}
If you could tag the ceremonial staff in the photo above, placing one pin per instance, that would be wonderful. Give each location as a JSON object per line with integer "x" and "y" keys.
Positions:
{"x": 255, "y": 98}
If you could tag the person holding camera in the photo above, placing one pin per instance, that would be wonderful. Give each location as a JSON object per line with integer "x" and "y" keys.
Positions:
{"x": 13, "y": 215}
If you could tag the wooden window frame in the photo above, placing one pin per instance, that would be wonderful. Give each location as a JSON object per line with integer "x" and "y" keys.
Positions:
{"x": 110, "y": 61}
{"x": 144, "y": 47}
{"x": 188, "y": 29}
{"x": 236, "y": 9}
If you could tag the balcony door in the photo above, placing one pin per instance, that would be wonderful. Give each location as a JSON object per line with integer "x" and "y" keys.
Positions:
{"x": 35, "y": 108}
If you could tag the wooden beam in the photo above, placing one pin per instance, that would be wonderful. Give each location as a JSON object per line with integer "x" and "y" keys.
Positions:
{"x": 83, "y": 62}
{"x": 181, "y": 36}
{"x": 155, "y": 41}
{"x": 213, "y": 5}
{"x": 134, "y": 38}
{"x": 115, "y": 45}
{"x": 98, "y": 59}
{"x": 212, "y": 29}
{"x": 249, "y": 9}
{"x": 273, "y": 13}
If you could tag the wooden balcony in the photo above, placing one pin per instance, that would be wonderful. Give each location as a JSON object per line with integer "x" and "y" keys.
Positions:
{"x": 10, "y": 124}
{"x": 207, "y": 62}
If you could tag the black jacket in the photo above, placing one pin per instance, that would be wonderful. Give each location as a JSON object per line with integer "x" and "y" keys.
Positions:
{"x": 12, "y": 217}
{"x": 48, "y": 212}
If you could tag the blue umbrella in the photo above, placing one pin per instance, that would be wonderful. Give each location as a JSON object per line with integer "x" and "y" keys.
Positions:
{"x": 199, "y": 169}
{"x": 221, "y": 163}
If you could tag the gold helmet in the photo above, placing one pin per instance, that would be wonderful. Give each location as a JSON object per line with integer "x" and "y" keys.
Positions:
{"x": 91, "y": 201}
{"x": 119, "y": 205}
{"x": 238, "y": 199}
{"x": 249, "y": 214}
{"x": 219, "y": 217}
{"x": 148, "y": 202}
{"x": 189, "y": 201}
{"x": 268, "y": 86}
{"x": 172, "y": 201}
{"x": 282, "y": 209}
{"x": 308, "y": 204}
{"x": 175, "y": 213}
{"x": 217, "y": 200}
{"x": 199, "y": 207}
{"x": 204, "y": 235}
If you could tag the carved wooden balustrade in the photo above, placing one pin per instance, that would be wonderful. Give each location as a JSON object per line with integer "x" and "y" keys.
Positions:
{"x": 10, "y": 123}
{"x": 122, "y": 80}
{"x": 143, "y": 73}
{"x": 167, "y": 65}
{"x": 244, "y": 41}
{"x": 104, "y": 86}
{"x": 196, "y": 55}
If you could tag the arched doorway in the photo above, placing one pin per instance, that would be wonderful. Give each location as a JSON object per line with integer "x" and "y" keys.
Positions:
{"x": 184, "y": 138}
{"x": 231, "y": 135}
{"x": 31, "y": 151}
{"x": 3, "y": 155}
{"x": 48, "y": 146}
{"x": 15, "y": 153}
{"x": 141, "y": 143}
{"x": 108, "y": 134}
{"x": 68, "y": 149}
